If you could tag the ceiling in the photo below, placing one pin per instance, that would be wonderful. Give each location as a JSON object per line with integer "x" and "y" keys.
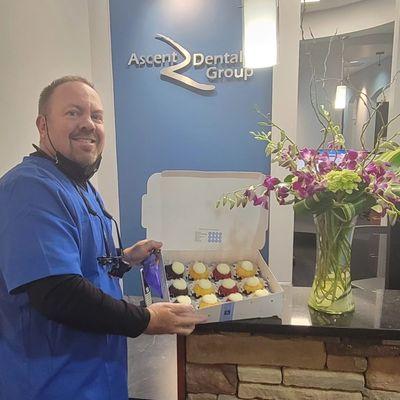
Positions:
{"x": 361, "y": 47}
{"x": 328, "y": 4}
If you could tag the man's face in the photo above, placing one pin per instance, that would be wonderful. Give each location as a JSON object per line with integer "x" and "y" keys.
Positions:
{"x": 74, "y": 122}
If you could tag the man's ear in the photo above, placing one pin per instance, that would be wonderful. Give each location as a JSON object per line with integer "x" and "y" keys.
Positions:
{"x": 41, "y": 125}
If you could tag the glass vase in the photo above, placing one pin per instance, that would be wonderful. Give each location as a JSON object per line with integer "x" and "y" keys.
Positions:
{"x": 331, "y": 290}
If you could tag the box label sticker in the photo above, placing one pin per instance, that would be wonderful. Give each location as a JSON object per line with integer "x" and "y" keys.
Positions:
{"x": 208, "y": 235}
{"x": 227, "y": 311}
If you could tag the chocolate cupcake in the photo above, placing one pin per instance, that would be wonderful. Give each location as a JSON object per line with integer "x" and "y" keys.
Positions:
{"x": 222, "y": 271}
{"x": 228, "y": 286}
{"x": 178, "y": 288}
{"x": 175, "y": 270}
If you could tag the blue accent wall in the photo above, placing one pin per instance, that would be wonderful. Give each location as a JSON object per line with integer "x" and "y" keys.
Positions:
{"x": 161, "y": 125}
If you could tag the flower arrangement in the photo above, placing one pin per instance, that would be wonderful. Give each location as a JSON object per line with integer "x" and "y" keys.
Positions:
{"x": 335, "y": 185}
{"x": 348, "y": 182}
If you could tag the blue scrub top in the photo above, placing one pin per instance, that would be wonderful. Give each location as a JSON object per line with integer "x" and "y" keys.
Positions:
{"x": 46, "y": 229}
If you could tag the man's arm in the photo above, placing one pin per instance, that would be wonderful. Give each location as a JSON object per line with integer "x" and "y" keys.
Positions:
{"x": 74, "y": 301}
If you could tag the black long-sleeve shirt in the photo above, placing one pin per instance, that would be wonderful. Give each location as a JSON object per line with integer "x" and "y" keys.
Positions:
{"x": 74, "y": 301}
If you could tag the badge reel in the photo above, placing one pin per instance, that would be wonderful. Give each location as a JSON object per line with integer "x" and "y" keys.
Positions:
{"x": 151, "y": 277}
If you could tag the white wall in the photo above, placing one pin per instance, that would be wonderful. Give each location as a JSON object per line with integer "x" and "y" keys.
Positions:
{"x": 37, "y": 44}
{"x": 102, "y": 76}
{"x": 42, "y": 41}
{"x": 284, "y": 114}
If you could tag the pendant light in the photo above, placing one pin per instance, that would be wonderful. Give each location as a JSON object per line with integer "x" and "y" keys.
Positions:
{"x": 341, "y": 89}
{"x": 260, "y": 26}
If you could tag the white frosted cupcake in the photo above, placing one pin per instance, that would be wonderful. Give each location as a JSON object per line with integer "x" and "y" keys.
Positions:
{"x": 203, "y": 287}
{"x": 199, "y": 271}
{"x": 178, "y": 288}
{"x": 208, "y": 300}
{"x": 175, "y": 270}
{"x": 222, "y": 271}
{"x": 227, "y": 287}
{"x": 235, "y": 297}
{"x": 184, "y": 300}
{"x": 245, "y": 269}
{"x": 252, "y": 284}
{"x": 260, "y": 293}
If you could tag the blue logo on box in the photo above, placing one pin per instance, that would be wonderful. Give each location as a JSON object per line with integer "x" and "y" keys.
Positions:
{"x": 227, "y": 311}
{"x": 214, "y": 237}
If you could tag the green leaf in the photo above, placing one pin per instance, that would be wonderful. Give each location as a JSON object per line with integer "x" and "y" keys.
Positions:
{"x": 238, "y": 199}
{"x": 224, "y": 200}
{"x": 218, "y": 204}
{"x": 288, "y": 179}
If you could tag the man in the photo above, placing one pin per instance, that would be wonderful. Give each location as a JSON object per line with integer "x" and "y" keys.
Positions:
{"x": 62, "y": 318}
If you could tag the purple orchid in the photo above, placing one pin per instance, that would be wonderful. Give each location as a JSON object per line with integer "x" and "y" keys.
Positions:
{"x": 307, "y": 155}
{"x": 261, "y": 201}
{"x": 306, "y": 184}
{"x": 281, "y": 193}
{"x": 270, "y": 182}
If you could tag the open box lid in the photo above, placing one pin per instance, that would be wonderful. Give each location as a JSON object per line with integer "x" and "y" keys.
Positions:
{"x": 179, "y": 210}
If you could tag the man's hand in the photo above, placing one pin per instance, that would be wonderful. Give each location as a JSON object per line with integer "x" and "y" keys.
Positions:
{"x": 139, "y": 251}
{"x": 172, "y": 318}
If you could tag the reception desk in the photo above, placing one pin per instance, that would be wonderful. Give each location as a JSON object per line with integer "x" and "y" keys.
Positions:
{"x": 302, "y": 355}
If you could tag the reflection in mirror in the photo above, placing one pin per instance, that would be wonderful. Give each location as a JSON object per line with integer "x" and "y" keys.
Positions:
{"x": 361, "y": 61}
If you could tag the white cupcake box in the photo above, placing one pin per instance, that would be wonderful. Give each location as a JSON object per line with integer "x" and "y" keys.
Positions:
{"x": 179, "y": 209}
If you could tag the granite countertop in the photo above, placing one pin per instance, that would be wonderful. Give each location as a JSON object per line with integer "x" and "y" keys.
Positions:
{"x": 377, "y": 314}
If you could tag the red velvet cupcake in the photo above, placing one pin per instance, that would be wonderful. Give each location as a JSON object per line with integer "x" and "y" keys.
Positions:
{"x": 228, "y": 286}
{"x": 222, "y": 271}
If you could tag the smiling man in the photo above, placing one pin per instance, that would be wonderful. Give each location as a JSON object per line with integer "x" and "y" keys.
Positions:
{"x": 75, "y": 119}
{"x": 63, "y": 321}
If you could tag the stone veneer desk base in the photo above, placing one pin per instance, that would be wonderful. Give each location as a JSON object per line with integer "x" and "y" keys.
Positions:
{"x": 303, "y": 355}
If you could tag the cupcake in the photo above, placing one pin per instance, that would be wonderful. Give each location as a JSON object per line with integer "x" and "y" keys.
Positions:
{"x": 222, "y": 271}
{"x": 183, "y": 300}
{"x": 203, "y": 287}
{"x": 198, "y": 271}
{"x": 178, "y": 288}
{"x": 260, "y": 293}
{"x": 228, "y": 286}
{"x": 235, "y": 297}
{"x": 245, "y": 269}
{"x": 208, "y": 300}
{"x": 252, "y": 284}
{"x": 175, "y": 270}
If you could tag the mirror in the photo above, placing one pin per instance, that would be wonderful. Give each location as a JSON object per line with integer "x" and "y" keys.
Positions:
{"x": 361, "y": 61}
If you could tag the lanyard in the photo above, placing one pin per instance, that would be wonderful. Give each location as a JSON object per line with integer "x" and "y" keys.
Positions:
{"x": 117, "y": 266}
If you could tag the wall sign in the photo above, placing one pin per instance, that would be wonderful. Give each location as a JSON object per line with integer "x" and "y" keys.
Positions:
{"x": 223, "y": 66}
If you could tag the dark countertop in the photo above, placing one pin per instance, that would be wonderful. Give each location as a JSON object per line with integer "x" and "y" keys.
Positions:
{"x": 377, "y": 315}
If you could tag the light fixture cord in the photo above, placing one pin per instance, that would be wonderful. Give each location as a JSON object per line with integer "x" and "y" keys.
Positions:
{"x": 342, "y": 76}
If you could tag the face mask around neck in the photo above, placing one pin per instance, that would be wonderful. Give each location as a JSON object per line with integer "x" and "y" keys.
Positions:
{"x": 74, "y": 170}
{"x": 71, "y": 168}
